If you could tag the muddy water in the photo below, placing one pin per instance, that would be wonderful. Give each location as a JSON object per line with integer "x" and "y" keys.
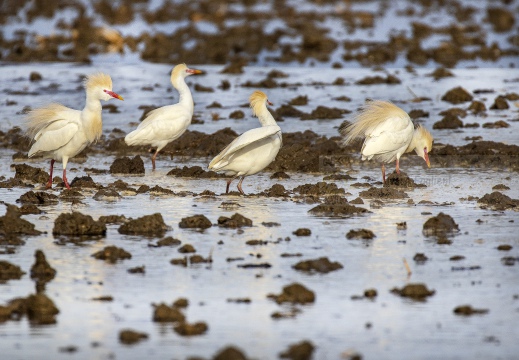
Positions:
{"x": 387, "y": 327}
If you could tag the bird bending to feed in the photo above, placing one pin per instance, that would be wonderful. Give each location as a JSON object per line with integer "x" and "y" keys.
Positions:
{"x": 165, "y": 124}
{"x": 389, "y": 133}
{"x": 253, "y": 150}
{"x": 61, "y": 133}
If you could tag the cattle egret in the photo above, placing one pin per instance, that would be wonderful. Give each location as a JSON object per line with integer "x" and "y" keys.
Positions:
{"x": 389, "y": 133}
{"x": 253, "y": 150}
{"x": 165, "y": 124}
{"x": 61, "y": 133}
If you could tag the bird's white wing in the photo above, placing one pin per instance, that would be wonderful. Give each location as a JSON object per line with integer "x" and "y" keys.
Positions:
{"x": 56, "y": 135}
{"x": 165, "y": 123}
{"x": 388, "y": 136}
{"x": 245, "y": 139}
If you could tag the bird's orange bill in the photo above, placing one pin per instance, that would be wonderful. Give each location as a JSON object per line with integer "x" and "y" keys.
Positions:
{"x": 426, "y": 157}
{"x": 194, "y": 71}
{"x": 114, "y": 95}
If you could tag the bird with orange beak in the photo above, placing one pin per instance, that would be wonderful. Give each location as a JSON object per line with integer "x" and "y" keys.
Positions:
{"x": 60, "y": 133}
{"x": 388, "y": 133}
{"x": 165, "y": 124}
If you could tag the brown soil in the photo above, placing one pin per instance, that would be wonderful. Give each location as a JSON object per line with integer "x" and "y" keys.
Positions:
{"x": 112, "y": 219}
{"x": 195, "y": 221}
{"x": 126, "y": 165}
{"x": 401, "y": 180}
{"x": 194, "y": 172}
{"x": 106, "y": 195}
{"x": 11, "y": 224}
{"x": 111, "y": 254}
{"x": 414, "y": 291}
{"x": 457, "y": 95}
{"x": 41, "y": 269}
{"x": 364, "y": 234}
{"x": 277, "y": 190}
{"x": 467, "y": 310}
{"x": 498, "y": 201}
{"x": 321, "y": 188}
{"x": 165, "y": 313}
{"x": 185, "y": 329}
{"x": 441, "y": 224}
{"x": 186, "y": 249}
{"x": 38, "y": 198}
{"x": 9, "y": 271}
{"x": 129, "y": 337}
{"x": 77, "y": 224}
{"x": 230, "y": 353}
{"x": 322, "y": 265}
{"x": 448, "y": 122}
{"x": 148, "y": 225}
{"x": 235, "y": 221}
{"x": 84, "y": 182}
{"x": 300, "y": 351}
{"x": 302, "y": 232}
{"x": 33, "y": 174}
{"x": 167, "y": 241}
{"x": 383, "y": 193}
{"x": 294, "y": 293}
{"x": 337, "y": 210}
{"x": 420, "y": 258}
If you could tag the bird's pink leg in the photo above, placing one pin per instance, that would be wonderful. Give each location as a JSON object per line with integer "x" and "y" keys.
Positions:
{"x": 49, "y": 183}
{"x": 398, "y": 166}
{"x": 153, "y": 159}
{"x": 383, "y": 174}
{"x": 65, "y": 179}
{"x": 239, "y": 185}
{"x": 228, "y": 184}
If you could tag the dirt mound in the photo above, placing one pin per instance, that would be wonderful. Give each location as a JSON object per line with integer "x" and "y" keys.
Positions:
{"x": 126, "y": 165}
{"x": 11, "y": 224}
{"x": 363, "y": 234}
{"x": 165, "y": 313}
{"x": 112, "y": 254}
{"x": 383, "y": 193}
{"x": 195, "y": 222}
{"x": 77, "y": 224}
{"x": 294, "y": 293}
{"x": 322, "y": 265}
{"x": 186, "y": 329}
{"x": 457, "y": 95}
{"x": 85, "y": 182}
{"x": 277, "y": 190}
{"x": 38, "y": 198}
{"x": 107, "y": 195}
{"x": 448, "y": 122}
{"x": 323, "y": 113}
{"x": 129, "y": 337}
{"x": 401, "y": 180}
{"x": 337, "y": 210}
{"x": 235, "y": 221}
{"x": 302, "y": 232}
{"x": 41, "y": 269}
{"x": 194, "y": 172}
{"x": 414, "y": 291}
{"x": 300, "y": 351}
{"x": 467, "y": 310}
{"x": 441, "y": 224}
{"x": 321, "y": 188}
{"x": 33, "y": 174}
{"x": 499, "y": 202}
{"x": 195, "y": 143}
{"x": 148, "y": 225}
{"x": 9, "y": 271}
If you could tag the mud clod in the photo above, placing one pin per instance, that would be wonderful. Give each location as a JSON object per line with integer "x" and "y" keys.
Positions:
{"x": 230, "y": 353}
{"x": 85, "y": 182}
{"x": 457, "y": 95}
{"x": 186, "y": 249}
{"x": 129, "y": 337}
{"x": 41, "y": 309}
{"x": 41, "y": 269}
{"x": 363, "y": 234}
{"x": 448, "y": 122}
{"x": 148, "y": 225}
{"x": 194, "y": 172}
{"x": 383, "y": 193}
{"x": 126, "y": 165}
{"x": 107, "y": 195}
{"x": 467, "y": 310}
{"x": 414, "y": 291}
{"x": 33, "y": 174}
{"x": 321, "y": 188}
{"x": 277, "y": 190}
{"x": 302, "y": 232}
{"x": 38, "y": 198}
{"x": 420, "y": 258}
{"x": 12, "y": 224}
{"x": 167, "y": 241}
{"x": 441, "y": 224}
{"x": 77, "y": 224}
{"x": 195, "y": 222}
{"x": 498, "y": 201}
{"x": 500, "y": 103}
{"x": 185, "y": 329}
{"x": 401, "y": 180}
{"x": 322, "y": 265}
{"x": 235, "y": 221}
{"x": 300, "y": 351}
{"x": 337, "y": 210}
{"x": 9, "y": 271}
{"x": 112, "y": 254}
{"x": 294, "y": 293}
{"x": 165, "y": 313}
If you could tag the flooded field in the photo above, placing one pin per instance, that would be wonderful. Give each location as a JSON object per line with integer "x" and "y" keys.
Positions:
{"x": 323, "y": 260}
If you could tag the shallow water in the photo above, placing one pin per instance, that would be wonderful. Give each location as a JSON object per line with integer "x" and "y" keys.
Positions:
{"x": 335, "y": 323}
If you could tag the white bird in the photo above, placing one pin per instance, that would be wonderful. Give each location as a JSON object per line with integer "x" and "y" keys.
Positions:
{"x": 253, "y": 150}
{"x": 165, "y": 124}
{"x": 61, "y": 133}
{"x": 389, "y": 133}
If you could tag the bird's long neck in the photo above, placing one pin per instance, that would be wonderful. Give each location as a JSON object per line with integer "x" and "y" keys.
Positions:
{"x": 185, "y": 98}
{"x": 91, "y": 118}
{"x": 265, "y": 117}
{"x": 414, "y": 141}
